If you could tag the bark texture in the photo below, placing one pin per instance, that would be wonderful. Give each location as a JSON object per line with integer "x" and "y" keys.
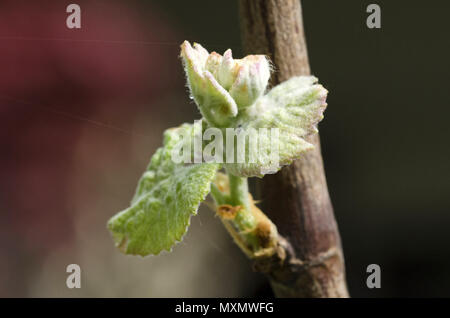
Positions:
{"x": 309, "y": 262}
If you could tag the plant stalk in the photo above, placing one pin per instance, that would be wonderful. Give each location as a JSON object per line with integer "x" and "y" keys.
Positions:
{"x": 252, "y": 231}
{"x": 296, "y": 199}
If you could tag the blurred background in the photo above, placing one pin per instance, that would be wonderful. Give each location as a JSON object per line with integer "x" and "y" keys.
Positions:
{"x": 83, "y": 110}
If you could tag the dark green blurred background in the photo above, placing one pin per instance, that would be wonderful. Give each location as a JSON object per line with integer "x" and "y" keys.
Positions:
{"x": 82, "y": 112}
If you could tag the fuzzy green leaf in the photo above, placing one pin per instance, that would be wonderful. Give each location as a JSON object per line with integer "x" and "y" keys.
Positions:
{"x": 166, "y": 197}
{"x": 294, "y": 107}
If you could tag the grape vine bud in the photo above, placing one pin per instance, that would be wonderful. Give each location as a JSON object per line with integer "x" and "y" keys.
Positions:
{"x": 221, "y": 85}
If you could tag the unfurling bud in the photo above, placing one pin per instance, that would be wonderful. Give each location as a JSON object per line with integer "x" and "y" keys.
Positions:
{"x": 221, "y": 85}
{"x": 249, "y": 77}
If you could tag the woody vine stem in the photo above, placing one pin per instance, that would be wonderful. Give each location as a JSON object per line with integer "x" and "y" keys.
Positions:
{"x": 296, "y": 199}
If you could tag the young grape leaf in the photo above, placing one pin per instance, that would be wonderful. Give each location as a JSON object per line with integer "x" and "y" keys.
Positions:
{"x": 294, "y": 107}
{"x": 167, "y": 195}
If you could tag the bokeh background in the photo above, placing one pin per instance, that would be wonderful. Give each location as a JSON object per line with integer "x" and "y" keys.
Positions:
{"x": 82, "y": 111}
